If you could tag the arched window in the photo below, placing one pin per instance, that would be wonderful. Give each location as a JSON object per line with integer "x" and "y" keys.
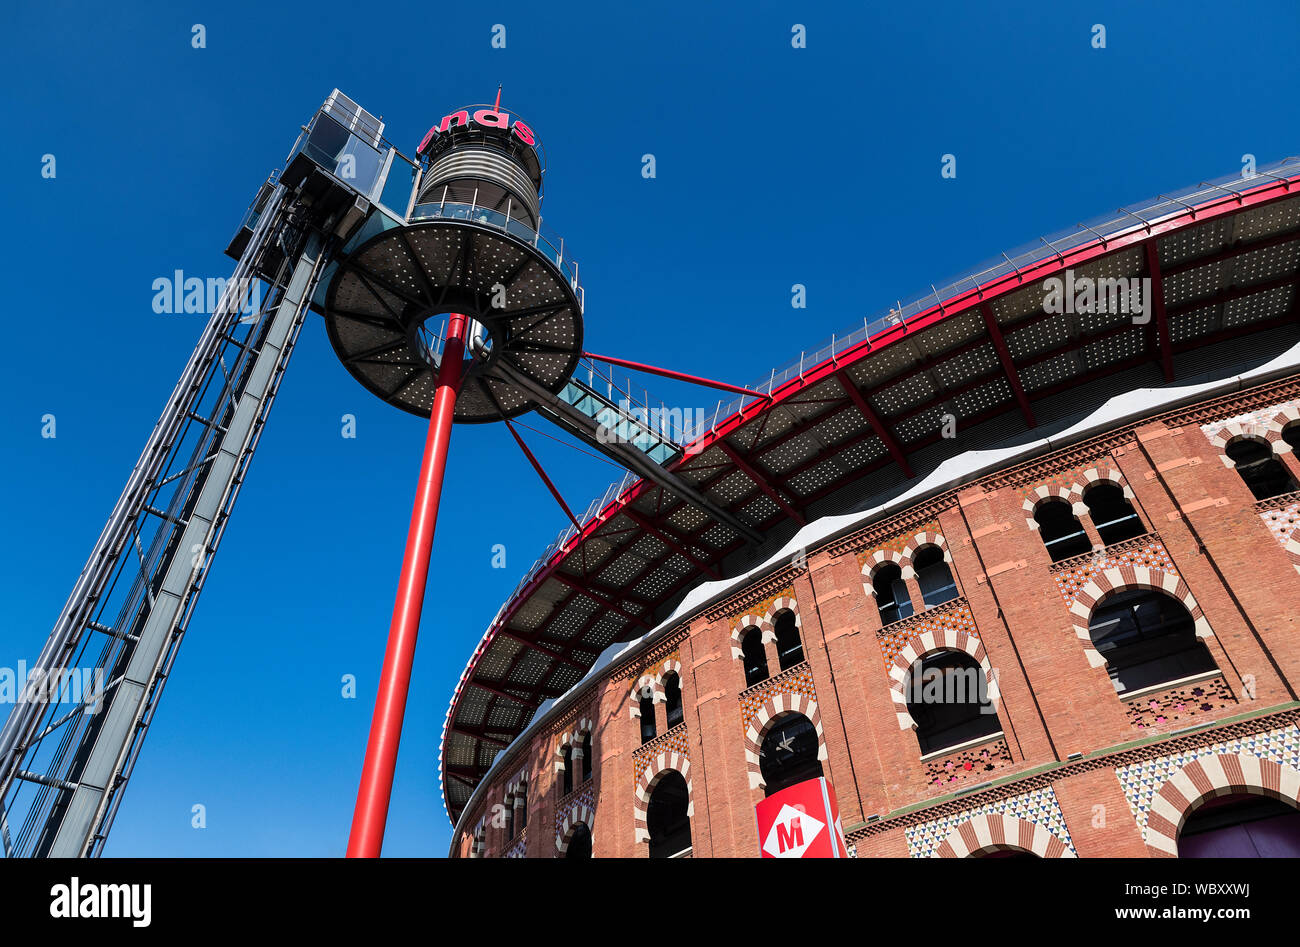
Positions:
{"x": 586, "y": 756}
{"x": 1060, "y": 529}
{"x": 579, "y": 842}
{"x": 754, "y": 655}
{"x": 566, "y": 784}
{"x": 947, "y": 696}
{"x": 933, "y": 576}
{"x": 666, "y": 819}
{"x": 647, "y": 718}
{"x": 1112, "y": 514}
{"x": 1263, "y": 472}
{"x": 1147, "y": 638}
{"x": 673, "y": 700}
{"x": 789, "y": 649}
{"x": 1241, "y": 826}
{"x": 521, "y": 806}
{"x": 1291, "y": 435}
{"x": 789, "y": 753}
{"x": 891, "y": 594}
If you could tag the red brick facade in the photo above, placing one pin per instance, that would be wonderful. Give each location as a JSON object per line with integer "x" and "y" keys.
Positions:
{"x": 1075, "y": 770}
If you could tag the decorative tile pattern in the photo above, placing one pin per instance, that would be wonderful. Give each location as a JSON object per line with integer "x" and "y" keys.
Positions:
{"x": 798, "y": 680}
{"x": 518, "y": 846}
{"x": 1172, "y": 709}
{"x": 894, "y": 638}
{"x": 1142, "y": 781}
{"x": 1038, "y": 808}
{"x": 1281, "y": 518}
{"x": 1146, "y": 551}
{"x": 673, "y": 741}
{"x": 975, "y": 762}
{"x": 577, "y": 806}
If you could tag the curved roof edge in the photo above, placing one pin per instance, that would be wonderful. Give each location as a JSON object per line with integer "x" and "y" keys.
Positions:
{"x": 1125, "y": 408}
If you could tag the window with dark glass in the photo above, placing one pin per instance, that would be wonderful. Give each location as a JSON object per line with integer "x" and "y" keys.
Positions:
{"x": 933, "y": 577}
{"x": 647, "y": 719}
{"x": 579, "y": 842}
{"x": 754, "y": 655}
{"x": 566, "y": 784}
{"x": 1241, "y": 825}
{"x": 673, "y": 700}
{"x": 666, "y": 819}
{"x": 1260, "y": 468}
{"x": 1147, "y": 638}
{"x": 510, "y": 821}
{"x": 1291, "y": 435}
{"x": 789, "y": 753}
{"x": 586, "y": 756}
{"x": 522, "y": 808}
{"x": 1060, "y": 530}
{"x": 891, "y": 594}
{"x": 947, "y": 696}
{"x": 789, "y": 648}
{"x": 1112, "y": 514}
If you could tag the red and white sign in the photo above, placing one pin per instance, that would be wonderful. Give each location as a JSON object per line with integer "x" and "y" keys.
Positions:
{"x": 801, "y": 821}
{"x": 489, "y": 118}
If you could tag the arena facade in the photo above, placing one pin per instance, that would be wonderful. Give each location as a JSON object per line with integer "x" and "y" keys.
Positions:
{"x": 1026, "y": 585}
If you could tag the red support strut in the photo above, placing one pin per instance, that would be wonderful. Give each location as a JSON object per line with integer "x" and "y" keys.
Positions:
{"x": 678, "y": 376}
{"x": 371, "y": 813}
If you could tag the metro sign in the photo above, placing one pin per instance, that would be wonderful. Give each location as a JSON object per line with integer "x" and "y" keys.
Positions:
{"x": 488, "y": 118}
{"x": 801, "y": 821}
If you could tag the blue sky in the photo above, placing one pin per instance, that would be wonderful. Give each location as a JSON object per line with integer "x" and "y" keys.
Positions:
{"x": 775, "y": 166}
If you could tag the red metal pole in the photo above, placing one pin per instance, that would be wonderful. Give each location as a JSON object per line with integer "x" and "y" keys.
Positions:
{"x": 371, "y": 813}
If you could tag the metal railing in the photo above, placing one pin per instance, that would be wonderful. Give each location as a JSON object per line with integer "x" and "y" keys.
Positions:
{"x": 1104, "y": 227}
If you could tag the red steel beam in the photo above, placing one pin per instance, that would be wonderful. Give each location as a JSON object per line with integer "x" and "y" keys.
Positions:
{"x": 375, "y": 791}
{"x": 542, "y": 473}
{"x": 762, "y": 483}
{"x": 677, "y": 376}
{"x": 882, "y": 430}
{"x": 1008, "y": 367}
{"x": 1158, "y": 305}
{"x": 673, "y": 543}
{"x": 586, "y": 590}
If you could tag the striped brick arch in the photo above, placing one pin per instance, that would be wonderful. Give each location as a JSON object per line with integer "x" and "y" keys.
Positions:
{"x": 915, "y": 545}
{"x": 1130, "y": 576}
{"x": 1269, "y": 430}
{"x": 1206, "y": 778}
{"x": 994, "y": 832}
{"x": 1278, "y": 424}
{"x": 1040, "y": 494}
{"x": 917, "y": 647}
{"x": 571, "y": 738}
{"x": 665, "y": 762}
{"x": 764, "y": 625}
{"x": 777, "y": 706}
{"x": 576, "y": 816}
{"x": 517, "y": 788}
{"x": 651, "y": 684}
{"x": 874, "y": 562}
{"x": 478, "y": 847}
{"x": 1093, "y": 476}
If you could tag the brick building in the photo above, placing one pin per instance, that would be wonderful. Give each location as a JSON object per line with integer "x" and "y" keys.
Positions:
{"x": 1026, "y": 587}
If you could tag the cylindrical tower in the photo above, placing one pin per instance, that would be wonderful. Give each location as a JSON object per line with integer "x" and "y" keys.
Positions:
{"x": 472, "y": 244}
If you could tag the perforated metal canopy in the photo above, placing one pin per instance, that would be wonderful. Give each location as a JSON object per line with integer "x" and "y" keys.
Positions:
{"x": 389, "y": 294}
{"x": 987, "y": 356}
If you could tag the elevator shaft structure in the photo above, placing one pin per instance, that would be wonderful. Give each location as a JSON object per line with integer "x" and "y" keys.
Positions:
{"x": 70, "y": 744}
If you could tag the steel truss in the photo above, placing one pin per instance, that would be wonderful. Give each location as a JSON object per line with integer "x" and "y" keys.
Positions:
{"x": 64, "y": 764}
